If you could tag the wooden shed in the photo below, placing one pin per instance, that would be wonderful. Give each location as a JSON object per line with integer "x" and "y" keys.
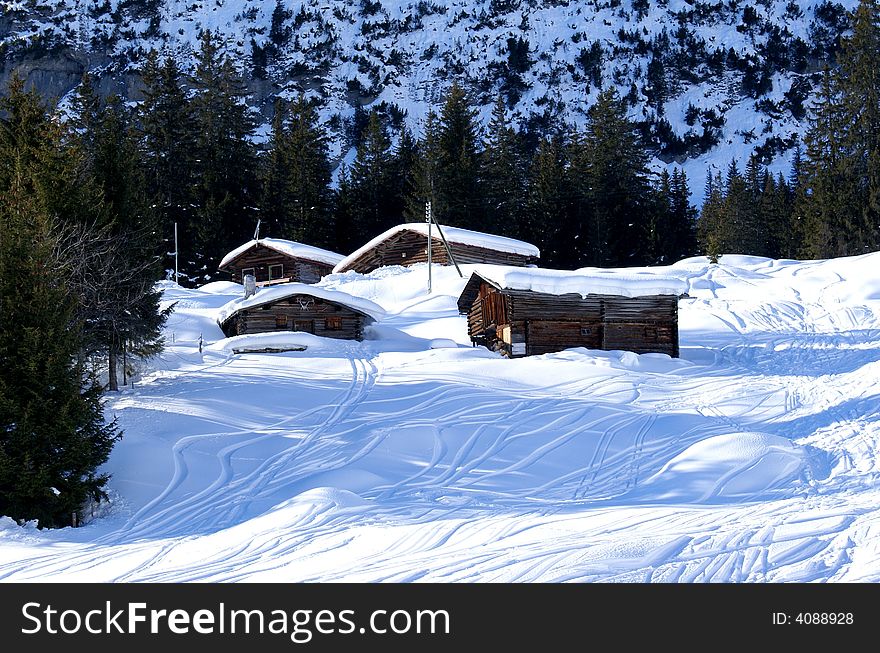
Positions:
{"x": 273, "y": 260}
{"x": 299, "y": 307}
{"x": 535, "y": 311}
{"x": 407, "y": 244}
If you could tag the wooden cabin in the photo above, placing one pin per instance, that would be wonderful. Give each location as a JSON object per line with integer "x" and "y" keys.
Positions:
{"x": 407, "y": 244}
{"x": 508, "y": 315}
{"x": 299, "y": 307}
{"x": 273, "y": 260}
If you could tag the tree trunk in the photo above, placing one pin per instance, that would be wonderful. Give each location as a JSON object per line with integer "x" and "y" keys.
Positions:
{"x": 113, "y": 382}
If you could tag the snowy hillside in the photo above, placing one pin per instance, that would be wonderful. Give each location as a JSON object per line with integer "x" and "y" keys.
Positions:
{"x": 711, "y": 80}
{"x": 409, "y": 457}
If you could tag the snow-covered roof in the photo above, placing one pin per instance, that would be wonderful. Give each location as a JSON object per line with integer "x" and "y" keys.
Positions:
{"x": 453, "y": 235}
{"x": 637, "y": 282}
{"x": 270, "y": 294}
{"x": 287, "y": 247}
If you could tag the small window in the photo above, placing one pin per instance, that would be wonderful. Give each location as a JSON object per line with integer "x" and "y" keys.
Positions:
{"x": 333, "y": 323}
{"x": 280, "y": 321}
{"x": 403, "y": 255}
{"x": 586, "y": 331}
{"x": 248, "y": 271}
{"x": 276, "y": 271}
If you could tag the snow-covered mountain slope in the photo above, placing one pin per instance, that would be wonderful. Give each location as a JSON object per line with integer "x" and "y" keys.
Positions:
{"x": 415, "y": 457}
{"x": 725, "y": 77}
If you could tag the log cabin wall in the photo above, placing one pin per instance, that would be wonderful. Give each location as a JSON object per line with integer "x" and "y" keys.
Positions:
{"x": 259, "y": 259}
{"x": 299, "y": 313}
{"x": 408, "y": 248}
{"x": 539, "y": 323}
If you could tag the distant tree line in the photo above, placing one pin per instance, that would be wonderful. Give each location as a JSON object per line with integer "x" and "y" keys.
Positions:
{"x": 830, "y": 203}
{"x": 585, "y": 197}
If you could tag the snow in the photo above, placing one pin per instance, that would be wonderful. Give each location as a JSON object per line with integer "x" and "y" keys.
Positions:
{"x": 452, "y": 235}
{"x": 287, "y": 247}
{"x": 412, "y": 456}
{"x": 586, "y": 281}
{"x": 269, "y": 294}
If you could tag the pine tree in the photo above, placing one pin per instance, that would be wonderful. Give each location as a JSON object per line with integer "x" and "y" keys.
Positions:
{"x": 225, "y": 192}
{"x": 168, "y": 141}
{"x": 753, "y": 236}
{"x": 53, "y": 436}
{"x": 405, "y": 166}
{"x": 618, "y": 179}
{"x": 119, "y": 302}
{"x": 372, "y": 186}
{"x": 673, "y": 219}
{"x": 775, "y": 209}
{"x": 503, "y": 174}
{"x": 296, "y": 178}
{"x": 543, "y": 220}
{"x": 859, "y": 83}
{"x": 838, "y": 205}
{"x": 457, "y": 190}
{"x": 273, "y": 167}
{"x": 681, "y": 240}
{"x": 738, "y": 213}
{"x": 711, "y": 229}
{"x": 424, "y": 174}
{"x": 829, "y": 192}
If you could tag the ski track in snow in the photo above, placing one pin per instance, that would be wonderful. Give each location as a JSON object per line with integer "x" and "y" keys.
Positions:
{"x": 389, "y": 461}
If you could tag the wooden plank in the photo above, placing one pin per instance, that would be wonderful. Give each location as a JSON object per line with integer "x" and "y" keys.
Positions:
{"x": 556, "y": 322}
{"x": 293, "y": 269}
{"x": 408, "y": 248}
{"x": 309, "y": 313}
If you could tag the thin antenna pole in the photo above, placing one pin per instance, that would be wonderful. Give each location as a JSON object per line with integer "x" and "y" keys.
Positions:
{"x": 176, "y": 250}
{"x": 257, "y": 230}
{"x": 430, "y": 238}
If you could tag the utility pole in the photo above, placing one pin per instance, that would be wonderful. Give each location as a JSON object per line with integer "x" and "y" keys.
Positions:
{"x": 176, "y": 249}
{"x": 429, "y": 221}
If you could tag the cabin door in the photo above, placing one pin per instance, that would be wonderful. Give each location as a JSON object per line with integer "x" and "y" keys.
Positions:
{"x": 307, "y": 326}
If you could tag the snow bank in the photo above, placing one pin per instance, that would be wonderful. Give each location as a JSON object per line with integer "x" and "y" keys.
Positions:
{"x": 266, "y": 295}
{"x": 453, "y": 235}
{"x": 586, "y": 281}
{"x": 287, "y": 247}
{"x": 731, "y": 467}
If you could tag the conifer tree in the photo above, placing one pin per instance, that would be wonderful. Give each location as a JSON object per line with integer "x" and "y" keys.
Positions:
{"x": 712, "y": 227}
{"x": 859, "y": 83}
{"x": 373, "y": 191}
{"x": 838, "y": 207}
{"x": 503, "y": 174}
{"x": 423, "y": 187}
{"x": 168, "y": 135}
{"x": 53, "y": 436}
{"x": 673, "y": 221}
{"x": 681, "y": 240}
{"x": 457, "y": 190}
{"x": 618, "y": 179}
{"x": 225, "y": 161}
{"x": 829, "y": 193}
{"x": 120, "y": 304}
{"x": 296, "y": 178}
{"x": 543, "y": 220}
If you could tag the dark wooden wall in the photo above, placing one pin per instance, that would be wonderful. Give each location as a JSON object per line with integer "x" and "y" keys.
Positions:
{"x": 260, "y": 258}
{"x": 299, "y": 313}
{"x": 408, "y": 247}
{"x": 538, "y": 323}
